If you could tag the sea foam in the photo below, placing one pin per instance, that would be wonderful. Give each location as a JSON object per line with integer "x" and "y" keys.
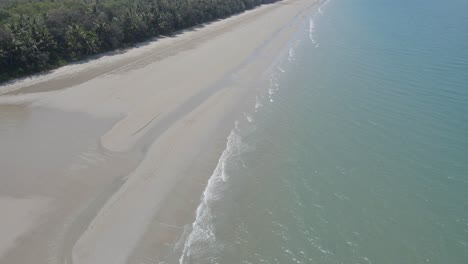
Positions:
{"x": 202, "y": 238}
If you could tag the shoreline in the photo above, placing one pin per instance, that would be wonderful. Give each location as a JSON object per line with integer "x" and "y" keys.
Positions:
{"x": 176, "y": 108}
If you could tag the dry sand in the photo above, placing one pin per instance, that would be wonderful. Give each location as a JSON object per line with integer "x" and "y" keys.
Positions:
{"x": 107, "y": 159}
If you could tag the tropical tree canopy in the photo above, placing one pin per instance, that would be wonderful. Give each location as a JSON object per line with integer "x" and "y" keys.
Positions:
{"x": 37, "y": 35}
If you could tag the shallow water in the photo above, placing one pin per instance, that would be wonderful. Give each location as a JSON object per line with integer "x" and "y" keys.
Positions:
{"x": 357, "y": 152}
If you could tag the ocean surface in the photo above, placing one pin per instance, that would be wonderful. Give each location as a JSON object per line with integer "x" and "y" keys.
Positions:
{"x": 357, "y": 151}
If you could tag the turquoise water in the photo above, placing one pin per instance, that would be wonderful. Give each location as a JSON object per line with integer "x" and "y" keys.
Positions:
{"x": 358, "y": 152}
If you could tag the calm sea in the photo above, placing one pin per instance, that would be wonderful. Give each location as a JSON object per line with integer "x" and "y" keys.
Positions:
{"x": 357, "y": 152}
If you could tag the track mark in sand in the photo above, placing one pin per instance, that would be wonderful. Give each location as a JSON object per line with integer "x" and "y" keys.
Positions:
{"x": 143, "y": 127}
{"x": 172, "y": 226}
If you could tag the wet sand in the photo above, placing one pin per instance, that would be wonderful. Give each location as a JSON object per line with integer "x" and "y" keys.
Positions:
{"x": 105, "y": 161}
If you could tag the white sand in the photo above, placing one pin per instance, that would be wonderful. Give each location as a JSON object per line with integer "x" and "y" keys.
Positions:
{"x": 18, "y": 217}
{"x": 184, "y": 88}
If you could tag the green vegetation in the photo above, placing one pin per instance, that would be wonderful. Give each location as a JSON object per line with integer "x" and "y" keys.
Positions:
{"x": 38, "y": 35}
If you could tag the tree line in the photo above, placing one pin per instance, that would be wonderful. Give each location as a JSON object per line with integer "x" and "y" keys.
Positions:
{"x": 38, "y": 35}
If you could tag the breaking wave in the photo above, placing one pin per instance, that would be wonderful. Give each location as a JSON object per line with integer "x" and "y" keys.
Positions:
{"x": 201, "y": 241}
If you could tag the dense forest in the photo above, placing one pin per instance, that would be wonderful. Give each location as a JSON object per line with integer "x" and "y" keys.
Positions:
{"x": 38, "y": 35}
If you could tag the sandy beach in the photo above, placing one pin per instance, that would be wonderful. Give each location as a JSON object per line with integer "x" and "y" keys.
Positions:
{"x": 105, "y": 161}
